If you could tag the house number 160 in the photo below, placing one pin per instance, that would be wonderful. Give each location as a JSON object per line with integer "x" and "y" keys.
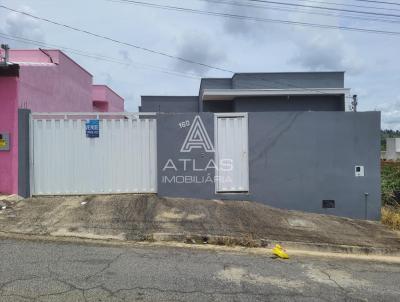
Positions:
{"x": 184, "y": 124}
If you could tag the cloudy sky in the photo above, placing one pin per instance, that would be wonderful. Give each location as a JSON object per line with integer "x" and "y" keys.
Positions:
{"x": 371, "y": 61}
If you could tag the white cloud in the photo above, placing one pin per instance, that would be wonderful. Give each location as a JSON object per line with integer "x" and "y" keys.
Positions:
{"x": 326, "y": 51}
{"x": 390, "y": 114}
{"x": 125, "y": 55}
{"x": 198, "y": 47}
{"x": 247, "y": 29}
{"x": 242, "y": 27}
{"x": 22, "y": 26}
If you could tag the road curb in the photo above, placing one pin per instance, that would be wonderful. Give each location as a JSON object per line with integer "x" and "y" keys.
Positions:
{"x": 229, "y": 241}
{"x": 245, "y": 241}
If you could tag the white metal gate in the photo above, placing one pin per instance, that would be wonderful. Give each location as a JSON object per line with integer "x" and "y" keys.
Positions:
{"x": 231, "y": 142}
{"x": 121, "y": 160}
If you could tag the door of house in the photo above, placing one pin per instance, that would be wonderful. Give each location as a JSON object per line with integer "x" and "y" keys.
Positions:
{"x": 85, "y": 155}
{"x": 231, "y": 154}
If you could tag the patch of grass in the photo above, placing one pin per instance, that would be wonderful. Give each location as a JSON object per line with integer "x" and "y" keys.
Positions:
{"x": 391, "y": 217}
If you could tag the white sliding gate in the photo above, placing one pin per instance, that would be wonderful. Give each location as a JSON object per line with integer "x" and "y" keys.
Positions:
{"x": 65, "y": 161}
{"x": 231, "y": 154}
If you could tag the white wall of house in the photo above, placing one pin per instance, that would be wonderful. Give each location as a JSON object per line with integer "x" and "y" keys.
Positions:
{"x": 392, "y": 149}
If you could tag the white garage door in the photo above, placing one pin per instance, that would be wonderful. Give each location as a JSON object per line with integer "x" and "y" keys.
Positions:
{"x": 66, "y": 161}
{"x": 231, "y": 137}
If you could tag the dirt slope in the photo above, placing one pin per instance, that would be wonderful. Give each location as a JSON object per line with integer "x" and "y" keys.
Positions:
{"x": 139, "y": 216}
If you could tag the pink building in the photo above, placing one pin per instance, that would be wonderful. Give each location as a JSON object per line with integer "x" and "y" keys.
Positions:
{"x": 43, "y": 81}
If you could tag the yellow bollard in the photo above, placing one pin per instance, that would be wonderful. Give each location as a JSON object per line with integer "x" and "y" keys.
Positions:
{"x": 280, "y": 252}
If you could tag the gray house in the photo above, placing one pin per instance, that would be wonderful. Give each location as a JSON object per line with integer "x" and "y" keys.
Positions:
{"x": 258, "y": 92}
{"x": 287, "y": 140}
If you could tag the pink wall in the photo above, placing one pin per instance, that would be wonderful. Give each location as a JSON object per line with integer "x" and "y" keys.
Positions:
{"x": 33, "y": 56}
{"x": 56, "y": 84}
{"x": 61, "y": 86}
{"x": 53, "y": 82}
{"x": 9, "y": 123}
{"x": 104, "y": 94}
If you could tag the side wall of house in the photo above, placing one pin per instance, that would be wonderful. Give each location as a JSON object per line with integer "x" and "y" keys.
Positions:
{"x": 52, "y": 82}
{"x": 392, "y": 152}
{"x": 9, "y": 124}
{"x": 104, "y": 95}
{"x": 296, "y": 160}
{"x": 54, "y": 89}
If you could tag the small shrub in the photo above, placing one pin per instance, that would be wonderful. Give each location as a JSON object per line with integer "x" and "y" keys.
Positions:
{"x": 391, "y": 217}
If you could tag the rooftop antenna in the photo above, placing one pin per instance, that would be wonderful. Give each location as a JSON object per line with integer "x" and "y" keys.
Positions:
{"x": 354, "y": 103}
{"x": 6, "y": 49}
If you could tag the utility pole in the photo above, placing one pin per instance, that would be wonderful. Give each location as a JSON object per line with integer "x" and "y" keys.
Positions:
{"x": 6, "y": 49}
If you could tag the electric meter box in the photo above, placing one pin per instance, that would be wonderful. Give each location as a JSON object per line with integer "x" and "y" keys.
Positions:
{"x": 4, "y": 141}
{"x": 359, "y": 171}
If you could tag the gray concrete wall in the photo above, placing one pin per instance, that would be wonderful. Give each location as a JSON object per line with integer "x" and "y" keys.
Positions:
{"x": 296, "y": 160}
{"x": 285, "y": 80}
{"x": 170, "y": 138}
{"x": 23, "y": 153}
{"x": 216, "y": 83}
{"x": 169, "y": 104}
{"x": 293, "y": 103}
{"x": 277, "y": 103}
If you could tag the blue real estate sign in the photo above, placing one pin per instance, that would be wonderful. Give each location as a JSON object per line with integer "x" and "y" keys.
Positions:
{"x": 93, "y": 128}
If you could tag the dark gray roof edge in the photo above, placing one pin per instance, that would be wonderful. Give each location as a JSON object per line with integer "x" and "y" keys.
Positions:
{"x": 169, "y": 96}
{"x": 287, "y": 72}
{"x": 275, "y": 72}
{"x": 215, "y": 78}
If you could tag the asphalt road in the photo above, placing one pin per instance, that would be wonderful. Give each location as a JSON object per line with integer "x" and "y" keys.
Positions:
{"x": 40, "y": 271}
